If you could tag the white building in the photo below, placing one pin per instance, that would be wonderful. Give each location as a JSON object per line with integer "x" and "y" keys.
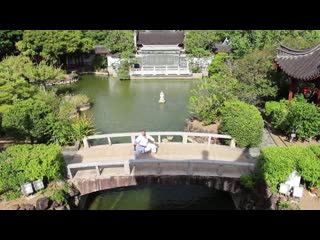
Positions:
{"x": 160, "y": 53}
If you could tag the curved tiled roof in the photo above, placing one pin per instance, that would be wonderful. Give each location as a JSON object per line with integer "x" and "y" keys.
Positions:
{"x": 300, "y": 64}
{"x": 160, "y": 38}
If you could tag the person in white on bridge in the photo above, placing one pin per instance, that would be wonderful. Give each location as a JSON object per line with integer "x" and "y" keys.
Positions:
{"x": 144, "y": 143}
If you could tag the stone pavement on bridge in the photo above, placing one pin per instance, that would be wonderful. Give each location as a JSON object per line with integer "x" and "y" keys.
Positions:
{"x": 166, "y": 151}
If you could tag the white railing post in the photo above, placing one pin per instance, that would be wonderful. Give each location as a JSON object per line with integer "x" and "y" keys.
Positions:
{"x": 159, "y": 138}
{"x": 154, "y": 70}
{"x": 133, "y": 139}
{"x": 232, "y": 143}
{"x": 98, "y": 170}
{"x": 184, "y": 138}
{"x": 127, "y": 167}
{"x": 85, "y": 142}
{"x": 142, "y": 72}
{"x": 166, "y": 70}
{"x": 69, "y": 172}
{"x": 109, "y": 141}
{"x": 209, "y": 140}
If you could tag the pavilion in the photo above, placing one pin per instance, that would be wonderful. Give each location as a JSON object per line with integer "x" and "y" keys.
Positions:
{"x": 160, "y": 53}
{"x": 301, "y": 66}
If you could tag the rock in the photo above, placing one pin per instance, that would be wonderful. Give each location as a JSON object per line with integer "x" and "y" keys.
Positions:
{"x": 74, "y": 192}
{"x": 27, "y": 206}
{"x": 15, "y": 207}
{"x": 61, "y": 208}
{"x": 42, "y": 203}
{"x": 55, "y": 205}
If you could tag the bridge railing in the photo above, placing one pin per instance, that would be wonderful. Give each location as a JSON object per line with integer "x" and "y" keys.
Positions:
{"x": 128, "y": 165}
{"x": 184, "y": 135}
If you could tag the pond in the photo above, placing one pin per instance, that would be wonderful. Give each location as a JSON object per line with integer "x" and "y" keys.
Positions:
{"x": 130, "y": 106}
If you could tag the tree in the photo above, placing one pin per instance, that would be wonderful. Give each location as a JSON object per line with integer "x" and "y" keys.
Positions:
{"x": 8, "y": 39}
{"x": 116, "y": 41}
{"x": 13, "y": 85}
{"x": 256, "y": 76}
{"x": 199, "y": 43}
{"x": 54, "y": 45}
{"x": 29, "y": 119}
{"x": 41, "y": 73}
{"x": 209, "y": 95}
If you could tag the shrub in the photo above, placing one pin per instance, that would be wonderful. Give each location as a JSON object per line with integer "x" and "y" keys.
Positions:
{"x": 299, "y": 117}
{"x": 123, "y": 70}
{"x": 243, "y": 122}
{"x": 19, "y": 163}
{"x": 248, "y": 181}
{"x": 63, "y": 132}
{"x": 66, "y": 109}
{"x": 82, "y": 127}
{"x": 277, "y": 163}
{"x": 99, "y": 62}
{"x": 79, "y": 100}
{"x": 58, "y": 192}
{"x": 277, "y": 112}
{"x": 303, "y": 118}
{"x": 309, "y": 165}
{"x": 316, "y": 150}
{"x": 29, "y": 119}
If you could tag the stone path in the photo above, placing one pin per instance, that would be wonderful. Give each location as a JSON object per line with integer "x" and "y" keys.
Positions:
{"x": 267, "y": 140}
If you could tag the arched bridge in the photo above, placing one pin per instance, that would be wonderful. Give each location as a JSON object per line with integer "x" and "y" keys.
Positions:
{"x": 106, "y": 161}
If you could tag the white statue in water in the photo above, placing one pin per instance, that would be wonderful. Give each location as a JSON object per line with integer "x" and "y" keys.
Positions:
{"x": 162, "y": 100}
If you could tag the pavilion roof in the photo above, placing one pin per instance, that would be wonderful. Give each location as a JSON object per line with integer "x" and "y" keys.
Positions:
{"x": 160, "y": 38}
{"x": 300, "y": 64}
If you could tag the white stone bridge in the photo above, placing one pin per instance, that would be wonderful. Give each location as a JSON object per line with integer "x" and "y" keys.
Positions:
{"x": 181, "y": 160}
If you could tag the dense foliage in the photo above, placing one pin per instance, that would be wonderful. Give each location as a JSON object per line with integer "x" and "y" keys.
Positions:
{"x": 209, "y": 95}
{"x": 257, "y": 79}
{"x": 299, "y": 117}
{"x": 277, "y": 163}
{"x": 243, "y": 122}
{"x": 8, "y": 39}
{"x": 123, "y": 70}
{"x": 54, "y": 45}
{"x": 116, "y": 41}
{"x": 20, "y": 163}
{"x": 29, "y": 120}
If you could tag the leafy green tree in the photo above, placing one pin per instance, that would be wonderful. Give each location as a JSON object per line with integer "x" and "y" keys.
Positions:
{"x": 256, "y": 76}
{"x": 41, "y": 73}
{"x": 13, "y": 85}
{"x": 8, "y": 39}
{"x": 54, "y": 45}
{"x": 209, "y": 95}
{"x": 243, "y": 122}
{"x": 29, "y": 119}
{"x": 123, "y": 70}
{"x": 116, "y": 41}
{"x": 199, "y": 43}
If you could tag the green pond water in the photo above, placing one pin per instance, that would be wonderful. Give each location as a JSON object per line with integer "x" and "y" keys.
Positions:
{"x": 129, "y": 106}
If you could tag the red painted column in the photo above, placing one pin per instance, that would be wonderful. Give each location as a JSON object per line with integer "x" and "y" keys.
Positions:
{"x": 291, "y": 89}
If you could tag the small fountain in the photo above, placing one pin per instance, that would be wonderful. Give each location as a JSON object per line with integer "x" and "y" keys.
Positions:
{"x": 162, "y": 100}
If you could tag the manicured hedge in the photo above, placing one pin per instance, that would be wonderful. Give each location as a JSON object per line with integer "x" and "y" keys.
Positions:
{"x": 298, "y": 117}
{"x": 277, "y": 163}
{"x": 243, "y": 122}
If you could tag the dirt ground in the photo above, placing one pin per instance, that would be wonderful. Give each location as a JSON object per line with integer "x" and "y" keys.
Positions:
{"x": 8, "y": 205}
